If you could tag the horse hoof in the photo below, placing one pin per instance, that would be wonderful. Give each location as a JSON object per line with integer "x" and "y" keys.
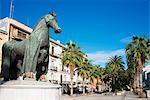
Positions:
{"x": 20, "y": 78}
{"x": 43, "y": 78}
{"x": 6, "y": 79}
{"x": 28, "y": 74}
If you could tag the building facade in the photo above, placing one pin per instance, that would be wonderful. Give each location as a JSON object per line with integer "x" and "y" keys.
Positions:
{"x": 57, "y": 73}
{"x": 146, "y": 76}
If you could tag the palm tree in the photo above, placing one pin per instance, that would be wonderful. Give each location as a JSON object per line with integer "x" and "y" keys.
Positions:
{"x": 98, "y": 71}
{"x": 132, "y": 67}
{"x": 84, "y": 72}
{"x": 95, "y": 73}
{"x": 141, "y": 53}
{"x": 92, "y": 75}
{"x": 72, "y": 57}
{"x": 130, "y": 76}
{"x": 113, "y": 68}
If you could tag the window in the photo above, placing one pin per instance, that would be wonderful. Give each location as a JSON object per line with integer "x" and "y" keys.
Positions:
{"x": 52, "y": 62}
{"x": 21, "y": 34}
{"x": 18, "y": 33}
{"x": 65, "y": 78}
{"x": 52, "y": 50}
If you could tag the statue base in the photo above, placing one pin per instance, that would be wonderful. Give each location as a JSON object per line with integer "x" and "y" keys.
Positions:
{"x": 29, "y": 90}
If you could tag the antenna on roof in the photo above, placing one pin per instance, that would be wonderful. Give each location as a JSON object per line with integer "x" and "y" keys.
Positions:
{"x": 28, "y": 21}
{"x": 11, "y": 9}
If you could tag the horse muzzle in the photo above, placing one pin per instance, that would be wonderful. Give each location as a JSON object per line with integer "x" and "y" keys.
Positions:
{"x": 58, "y": 31}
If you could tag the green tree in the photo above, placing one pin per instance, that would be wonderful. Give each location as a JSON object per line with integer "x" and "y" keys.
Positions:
{"x": 98, "y": 72}
{"x": 140, "y": 53}
{"x": 132, "y": 68}
{"x": 95, "y": 72}
{"x": 114, "y": 69}
{"x": 72, "y": 57}
{"x": 84, "y": 72}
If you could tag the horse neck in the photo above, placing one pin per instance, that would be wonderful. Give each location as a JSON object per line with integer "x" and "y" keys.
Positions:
{"x": 40, "y": 26}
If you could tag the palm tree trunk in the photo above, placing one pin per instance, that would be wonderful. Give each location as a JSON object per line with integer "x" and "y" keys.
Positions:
{"x": 135, "y": 81}
{"x": 83, "y": 86}
{"x": 92, "y": 90}
{"x": 77, "y": 84}
{"x": 138, "y": 81}
{"x": 91, "y": 82}
{"x": 130, "y": 85}
{"x": 97, "y": 85}
{"x": 71, "y": 91}
{"x": 113, "y": 83}
{"x": 141, "y": 87}
{"x": 71, "y": 76}
{"x": 140, "y": 78}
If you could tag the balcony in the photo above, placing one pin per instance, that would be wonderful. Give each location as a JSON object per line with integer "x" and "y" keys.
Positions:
{"x": 56, "y": 55}
{"x": 66, "y": 71}
{"x": 53, "y": 81}
{"x": 53, "y": 68}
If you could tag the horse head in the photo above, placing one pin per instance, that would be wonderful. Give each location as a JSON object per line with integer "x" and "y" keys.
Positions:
{"x": 52, "y": 22}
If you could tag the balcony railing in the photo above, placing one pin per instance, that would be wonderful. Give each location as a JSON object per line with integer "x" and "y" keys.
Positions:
{"x": 65, "y": 70}
{"x": 53, "y": 81}
{"x": 53, "y": 68}
{"x": 55, "y": 55}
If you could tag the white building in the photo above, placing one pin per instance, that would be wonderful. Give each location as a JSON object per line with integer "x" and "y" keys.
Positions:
{"x": 146, "y": 75}
{"x": 57, "y": 73}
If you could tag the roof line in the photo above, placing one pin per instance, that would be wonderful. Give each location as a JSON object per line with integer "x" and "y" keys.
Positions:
{"x": 54, "y": 41}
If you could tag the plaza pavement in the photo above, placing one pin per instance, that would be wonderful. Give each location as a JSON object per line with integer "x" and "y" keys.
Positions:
{"x": 125, "y": 96}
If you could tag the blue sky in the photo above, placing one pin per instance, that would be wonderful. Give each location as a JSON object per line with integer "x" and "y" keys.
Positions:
{"x": 100, "y": 27}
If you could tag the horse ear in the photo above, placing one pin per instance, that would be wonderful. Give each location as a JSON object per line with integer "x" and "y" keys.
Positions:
{"x": 47, "y": 18}
{"x": 53, "y": 13}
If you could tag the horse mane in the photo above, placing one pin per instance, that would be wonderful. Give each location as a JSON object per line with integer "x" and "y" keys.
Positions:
{"x": 38, "y": 22}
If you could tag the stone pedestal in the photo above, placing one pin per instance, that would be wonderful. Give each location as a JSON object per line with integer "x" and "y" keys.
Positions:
{"x": 148, "y": 93}
{"x": 29, "y": 90}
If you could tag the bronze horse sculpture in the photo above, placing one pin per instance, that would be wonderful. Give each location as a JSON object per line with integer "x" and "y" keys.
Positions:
{"x": 32, "y": 53}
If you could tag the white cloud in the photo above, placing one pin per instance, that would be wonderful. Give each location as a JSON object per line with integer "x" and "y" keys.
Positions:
{"x": 126, "y": 39}
{"x": 101, "y": 57}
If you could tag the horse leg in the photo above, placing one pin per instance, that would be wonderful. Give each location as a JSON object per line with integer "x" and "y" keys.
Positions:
{"x": 5, "y": 62}
{"x": 46, "y": 61}
{"x": 41, "y": 66}
{"x": 13, "y": 70}
{"x": 19, "y": 51}
{"x": 19, "y": 67}
{"x": 38, "y": 72}
{"x": 41, "y": 72}
{"x": 44, "y": 70}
